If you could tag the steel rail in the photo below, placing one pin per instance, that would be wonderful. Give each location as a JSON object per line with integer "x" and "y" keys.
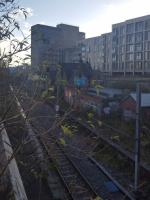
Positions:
{"x": 76, "y": 174}
{"x": 112, "y": 144}
{"x": 82, "y": 190}
{"x": 122, "y": 189}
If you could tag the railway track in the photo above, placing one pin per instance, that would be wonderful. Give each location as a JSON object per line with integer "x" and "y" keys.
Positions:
{"x": 78, "y": 183}
{"x": 110, "y": 142}
{"x": 99, "y": 177}
{"x": 78, "y": 188}
{"x": 96, "y": 133}
{"x": 79, "y": 180}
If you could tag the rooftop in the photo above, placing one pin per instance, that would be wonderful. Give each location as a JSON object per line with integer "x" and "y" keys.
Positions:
{"x": 145, "y": 99}
{"x": 133, "y": 20}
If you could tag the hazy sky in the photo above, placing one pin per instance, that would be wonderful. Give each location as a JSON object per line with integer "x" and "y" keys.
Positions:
{"x": 94, "y": 17}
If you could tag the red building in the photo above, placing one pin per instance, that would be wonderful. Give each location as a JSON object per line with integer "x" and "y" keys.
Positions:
{"x": 128, "y": 105}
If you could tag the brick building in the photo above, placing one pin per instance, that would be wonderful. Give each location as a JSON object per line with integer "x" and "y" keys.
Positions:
{"x": 128, "y": 106}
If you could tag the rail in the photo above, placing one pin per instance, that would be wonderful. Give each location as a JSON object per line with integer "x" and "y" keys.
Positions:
{"x": 112, "y": 144}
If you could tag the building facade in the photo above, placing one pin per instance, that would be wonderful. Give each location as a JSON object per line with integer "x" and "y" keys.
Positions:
{"x": 106, "y": 53}
{"x": 48, "y": 43}
{"x": 125, "y": 50}
{"x": 131, "y": 46}
{"x": 97, "y": 52}
{"x": 91, "y": 51}
{"x": 72, "y": 55}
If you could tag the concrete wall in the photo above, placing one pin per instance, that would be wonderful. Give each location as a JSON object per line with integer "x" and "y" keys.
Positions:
{"x": 18, "y": 190}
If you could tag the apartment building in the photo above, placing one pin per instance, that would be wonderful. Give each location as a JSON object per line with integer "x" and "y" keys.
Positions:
{"x": 131, "y": 46}
{"x": 106, "y": 53}
{"x": 90, "y": 51}
{"x": 97, "y": 52}
{"x": 48, "y": 43}
{"x": 125, "y": 50}
{"x": 72, "y": 54}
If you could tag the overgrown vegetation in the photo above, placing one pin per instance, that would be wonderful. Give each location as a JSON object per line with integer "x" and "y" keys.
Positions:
{"x": 10, "y": 31}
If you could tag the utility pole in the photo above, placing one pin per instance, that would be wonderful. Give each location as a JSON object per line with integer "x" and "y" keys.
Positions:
{"x": 137, "y": 139}
{"x": 57, "y": 101}
{"x": 58, "y": 79}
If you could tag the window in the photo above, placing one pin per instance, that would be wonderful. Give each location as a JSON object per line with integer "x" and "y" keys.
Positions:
{"x": 114, "y": 58}
{"x": 147, "y": 55}
{"x": 115, "y": 40}
{"x": 138, "y": 37}
{"x": 121, "y": 58}
{"x": 95, "y": 49}
{"x": 130, "y": 56}
{"x": 147, "y": 45}
{"x": 130, "y": 48}
{"x": 114, "y": 50}
{"x": 147, "y": 24}
{"x": 130, "y": 28}
{"x": 139, "y": 26}
{"x": 129, "y": 66}
{"x": 138, "y": 65}
{"x": 83, "y": 59}
{"x": 83, "y": 48}
{"x": 114, "y": 66}
{"x": 130, "y": 38}
{"x": 147, "y": 35}
{"x": 147, "y": 66}
{"x": 115, "y": 31}
{"x": 138, "y": 56}
{"x": 122, "y": 40}
{"x": 121, "y": 66}
{"x": 88, "y": 49}
{"x": 138, "y": 47}
{"x": 122, "y": 49}
{"x": 103, "y": 41}
{"x": 122, "y": 30}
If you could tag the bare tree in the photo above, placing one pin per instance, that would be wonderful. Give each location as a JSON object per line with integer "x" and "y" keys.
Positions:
{"x": 10, "y": 28}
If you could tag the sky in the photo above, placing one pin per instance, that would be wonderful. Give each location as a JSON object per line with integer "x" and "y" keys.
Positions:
{"x": 94, "y": 17}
